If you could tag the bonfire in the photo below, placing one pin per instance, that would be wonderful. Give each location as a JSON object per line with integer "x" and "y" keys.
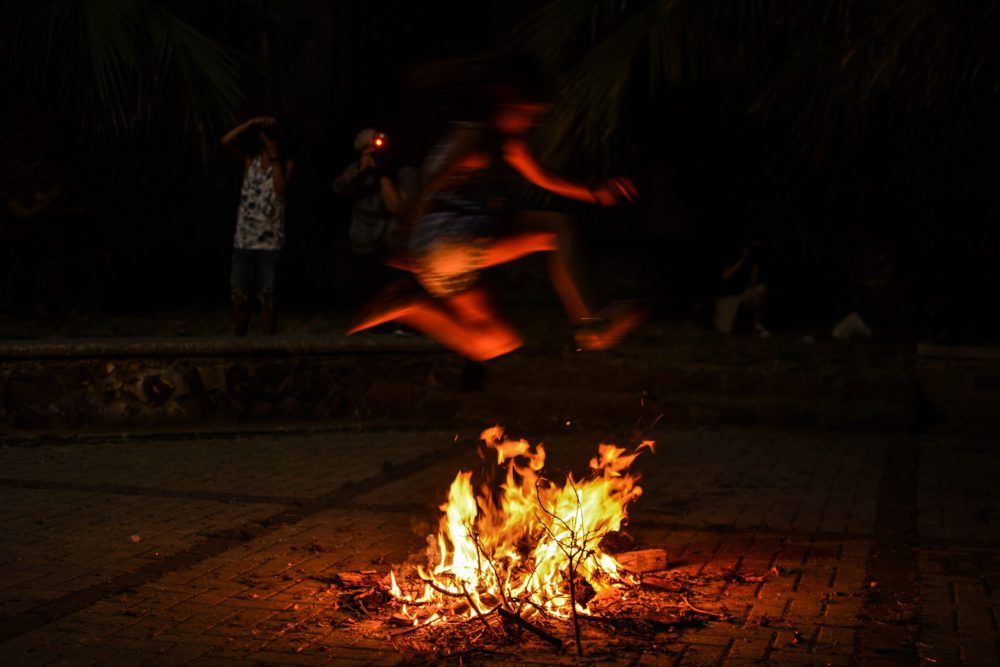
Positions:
{"x": 531, "y": 549}
{"x": 529, "y": 553}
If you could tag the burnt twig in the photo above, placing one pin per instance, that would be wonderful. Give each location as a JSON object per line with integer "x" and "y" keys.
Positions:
{"x": 702, "y": 611}
{"x": 440, "y": 589}
{"x": 419, "y": 627}
{"x": 475, "y": 608}
{"x": 645, "y": 583}
{"x": 530, "y": 627}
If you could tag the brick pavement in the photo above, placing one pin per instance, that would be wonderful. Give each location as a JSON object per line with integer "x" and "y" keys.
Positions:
{"x": 788, "y": 533}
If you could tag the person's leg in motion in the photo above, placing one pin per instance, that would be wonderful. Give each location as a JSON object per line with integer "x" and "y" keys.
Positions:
{"x": 394, "y": 301}
{"x": 467, "y": 323}
{"x": 551, "y": 233}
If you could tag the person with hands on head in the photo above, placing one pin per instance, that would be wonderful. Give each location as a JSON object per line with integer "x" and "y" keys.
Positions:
{"x": 461, "y": 223}
{"x": 260, "y": 221}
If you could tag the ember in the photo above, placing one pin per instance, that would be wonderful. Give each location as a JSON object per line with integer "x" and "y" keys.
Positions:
{"x": 532, "y": 549}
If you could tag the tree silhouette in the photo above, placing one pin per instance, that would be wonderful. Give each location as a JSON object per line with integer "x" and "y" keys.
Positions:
{"x": 821, "y": 66}
{"x": 115, "y": 67}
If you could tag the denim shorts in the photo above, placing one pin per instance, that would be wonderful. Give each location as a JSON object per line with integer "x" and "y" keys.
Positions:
{"x": 253, "y": 272}
{"x": 448, "y": 249}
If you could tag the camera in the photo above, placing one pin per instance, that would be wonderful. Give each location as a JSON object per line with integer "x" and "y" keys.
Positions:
{"x": 380, "y": 149}
{"x": 272, "y": 131}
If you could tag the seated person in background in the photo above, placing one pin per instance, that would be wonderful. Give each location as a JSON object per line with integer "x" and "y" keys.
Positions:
{"x": 742, "y": 290}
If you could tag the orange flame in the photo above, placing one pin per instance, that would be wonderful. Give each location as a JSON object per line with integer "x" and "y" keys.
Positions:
{"x": 518, "y": 547}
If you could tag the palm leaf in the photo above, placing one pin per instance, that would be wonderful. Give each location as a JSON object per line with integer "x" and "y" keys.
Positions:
{"x": 823, "y": 66}
{"x": 210, "y": 77}
{"x": 115, "y": 62}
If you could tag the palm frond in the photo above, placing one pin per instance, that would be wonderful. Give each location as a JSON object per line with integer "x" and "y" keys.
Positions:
{"x": 113, "y": 63}
{"x": 824, "y": 66}
{"x": 211, "y": 77}
{"x": 593, "y": 93}
{"x": 110, "y": 47}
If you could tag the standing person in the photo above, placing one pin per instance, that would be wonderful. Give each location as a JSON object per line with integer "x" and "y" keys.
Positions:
{"x": 461, "y": 224}
{"x": 260, "y": 223}
{"x": 378, "y": 192}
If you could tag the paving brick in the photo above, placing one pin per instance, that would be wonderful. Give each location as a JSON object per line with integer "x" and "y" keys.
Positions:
{"x": 979, "y": 653}
{"x": 650, "y": 658}
{"x": 835, "y": 640}
{"x": 179, "y": 654}
{"x": 710, "y": 636}
{"x": 702, "y": 656}
{"x": 746, "y": 648}
{"x": 804, "y": 658}
{"x": 807, "y": 607}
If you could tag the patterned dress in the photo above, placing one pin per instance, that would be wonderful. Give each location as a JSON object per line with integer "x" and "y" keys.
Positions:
{"x": 260, "y": 223}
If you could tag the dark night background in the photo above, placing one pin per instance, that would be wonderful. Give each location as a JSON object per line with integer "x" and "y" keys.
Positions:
{"x": 858, "y": 140}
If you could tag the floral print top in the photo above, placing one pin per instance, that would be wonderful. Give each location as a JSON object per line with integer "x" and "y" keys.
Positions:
{"x": 260, "y": 223}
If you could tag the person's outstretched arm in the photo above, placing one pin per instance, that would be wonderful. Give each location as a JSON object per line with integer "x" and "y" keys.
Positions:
{"x": 519, "y": 156}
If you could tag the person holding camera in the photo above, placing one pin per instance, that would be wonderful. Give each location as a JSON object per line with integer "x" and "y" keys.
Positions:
{"x": 260, "y": 222}
{"x": 378, "y": 193}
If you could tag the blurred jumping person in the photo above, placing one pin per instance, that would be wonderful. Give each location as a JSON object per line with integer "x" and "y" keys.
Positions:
{"x": 461, "y": 223}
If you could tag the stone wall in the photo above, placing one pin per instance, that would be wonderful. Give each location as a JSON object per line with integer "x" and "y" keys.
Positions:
{"x": 385, "y": 381}
{"x": 179, "y": 383}
{"x": 960, "y": 387}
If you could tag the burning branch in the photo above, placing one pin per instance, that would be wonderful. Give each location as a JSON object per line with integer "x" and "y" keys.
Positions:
{"x": 440, "y": 589}
{"x": 575, "y": 551}
{"x": 522, "y": 548}
{"x": 432, "y": 621}
{"x": 475, "y": 608}
{"x": 481, "y": 553}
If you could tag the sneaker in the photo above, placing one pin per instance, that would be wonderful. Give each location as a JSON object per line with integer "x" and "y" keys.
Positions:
{"x": 609, "y": 326}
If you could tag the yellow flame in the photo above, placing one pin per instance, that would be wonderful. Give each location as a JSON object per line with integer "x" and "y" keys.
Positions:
{"x": 517, "y": 547}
